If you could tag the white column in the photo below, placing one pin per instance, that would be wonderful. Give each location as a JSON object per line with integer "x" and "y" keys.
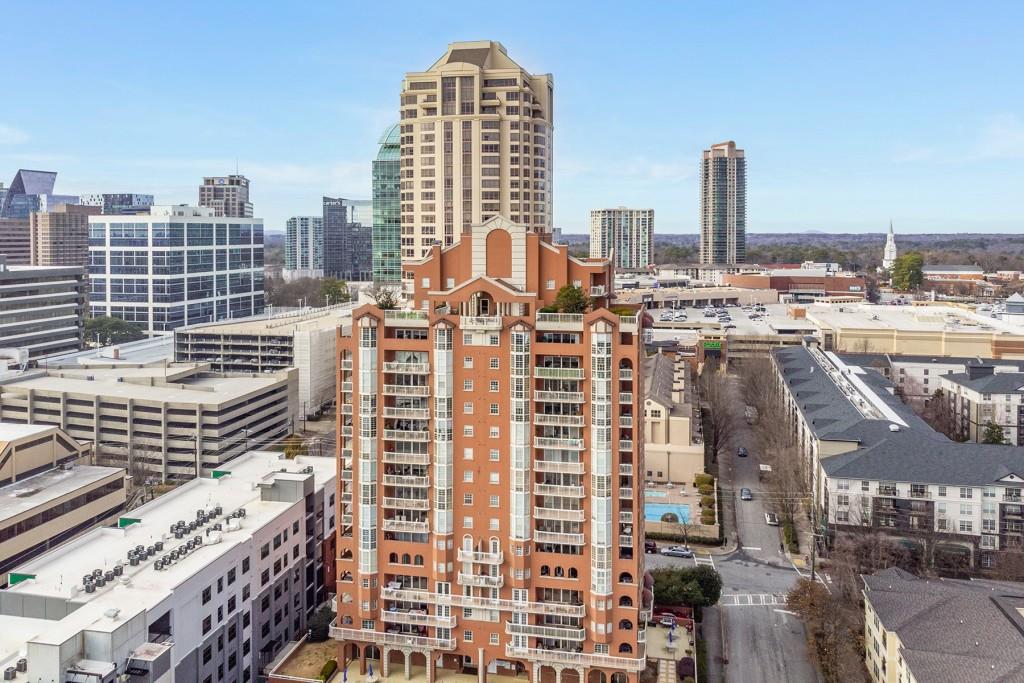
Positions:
{"x": 367, "y": 426}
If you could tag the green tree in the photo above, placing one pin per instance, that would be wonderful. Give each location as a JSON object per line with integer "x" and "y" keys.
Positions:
{"x": 320, "y": 624}
{"x": 572, "y": 299}
{"x": 907, "y": 272}
{"x": 694, "y": 586}
{"x": 334, "y": 291}
{"x": 111, "y": 330}
{"x": 993, "y": 433}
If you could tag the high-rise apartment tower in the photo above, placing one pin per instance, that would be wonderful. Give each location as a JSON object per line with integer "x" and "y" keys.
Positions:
{"x": 60, "y": 237}
{"x": 227, "y": 195}
{"x": 303, "y": 247}
{"x": 491, "y": 469}
{"x": 723, "y": 205}
{"x": 475, "y": 143}
{"x": 626, "y": 234}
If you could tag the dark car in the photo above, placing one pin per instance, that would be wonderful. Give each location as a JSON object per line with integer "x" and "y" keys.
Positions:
{"x": 650, "y": 547}
{"x": 745, "y": 494}
{"x": 742, "y": 452}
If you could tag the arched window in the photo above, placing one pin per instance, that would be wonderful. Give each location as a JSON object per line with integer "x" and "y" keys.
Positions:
{"x": 418, "y": 560}
{"x": 625, "y": 601}
{"x": 406, "y": 559}
{"x": 393, "y": 558}
{"x": 625, "y": 647}
{"x": 545, "y": 570}
{"x": 559, "y": 572}
{"x": 625, "y": 625}
{"x": 619, "y": 677}
{"x": 625, "y": 577}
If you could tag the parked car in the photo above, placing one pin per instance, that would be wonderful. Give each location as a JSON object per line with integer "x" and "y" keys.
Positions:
{"x": 742, "y": 452}
{"x": 771, "y": 519}
{"x": 745, "y": 494}
{"x": 650, "y": 546}
{"x": 677, "y": 551}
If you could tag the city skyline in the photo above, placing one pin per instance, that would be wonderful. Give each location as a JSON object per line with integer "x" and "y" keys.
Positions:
{"x": 906, "y": 118}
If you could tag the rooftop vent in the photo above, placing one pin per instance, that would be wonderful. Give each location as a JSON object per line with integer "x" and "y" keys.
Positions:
{"x": 894, "y": 428}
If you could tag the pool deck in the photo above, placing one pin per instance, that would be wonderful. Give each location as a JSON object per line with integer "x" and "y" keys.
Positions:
{"x": 675, "y": 494}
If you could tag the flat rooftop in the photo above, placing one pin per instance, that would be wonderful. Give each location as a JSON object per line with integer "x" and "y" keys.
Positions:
{"x": 141, "y": 351}
{"x": 909, "y": 319}
{"x": 279, "y": 325}
{"x": 26, "y": 494}
{"x": 173, "y": 383}
{"x": 10, "y": 431}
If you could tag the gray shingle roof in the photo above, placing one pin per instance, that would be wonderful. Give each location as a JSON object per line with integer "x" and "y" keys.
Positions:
{"x": 952, "y": 269}
{"x": 659, "y": 373}
{"x": 953, "y": 630}
{"x": 998, "y": 383}
{"x": 916, "y": 453}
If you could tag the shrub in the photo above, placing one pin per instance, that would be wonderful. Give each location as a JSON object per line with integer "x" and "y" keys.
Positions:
{"x": 706, "y": 489}
{"x": 707, "y": 517}
{"x": 703, "y": 479}
{"x": 707, "y": 502}
{"x": 680, "y": 538}
{"x": 790, "y": 537}
{"x": 329, "y": 667}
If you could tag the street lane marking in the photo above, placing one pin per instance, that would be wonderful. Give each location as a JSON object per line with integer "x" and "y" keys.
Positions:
{"x": 752, "y": 599}
{"x": 748, "y": 547}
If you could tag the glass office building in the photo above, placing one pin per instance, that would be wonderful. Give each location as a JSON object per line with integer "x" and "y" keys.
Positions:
{"x": 387, "y": 210}
{"x": 348, "y": 239}
{"x": 178, "y": 265}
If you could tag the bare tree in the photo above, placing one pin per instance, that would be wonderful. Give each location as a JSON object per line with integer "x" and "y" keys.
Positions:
{"x": 757, "y": 383}
{"x": 385, "y": 296}
{"x": 940, "y": 416}
{"x": 719, "y": 406}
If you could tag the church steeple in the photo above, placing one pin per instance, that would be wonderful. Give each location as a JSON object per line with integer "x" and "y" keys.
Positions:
{"x": 889, "y": 253}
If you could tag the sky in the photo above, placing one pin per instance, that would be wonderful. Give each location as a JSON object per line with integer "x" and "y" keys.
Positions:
{"x": 851, "y": 114}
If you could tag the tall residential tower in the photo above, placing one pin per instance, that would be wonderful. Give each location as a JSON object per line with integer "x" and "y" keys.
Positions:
{"x": 628, "y": 234}
{"x": 491, "y": 469}
{"x": 723, "y": 205}
{"x": 475, "y": 142}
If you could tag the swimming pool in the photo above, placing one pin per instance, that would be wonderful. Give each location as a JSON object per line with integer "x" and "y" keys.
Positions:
{"x": 655, "y": 494}
{"x": 653, "y": 512}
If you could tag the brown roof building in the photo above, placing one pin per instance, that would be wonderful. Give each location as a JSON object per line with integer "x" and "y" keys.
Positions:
{"x": 491, "y": 454}
{"x": 61, "y": 237}
{"x": 800, "y": 285}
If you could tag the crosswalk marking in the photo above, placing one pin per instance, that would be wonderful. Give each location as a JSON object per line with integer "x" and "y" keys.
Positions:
{"x": 707, "y": 559}
{"x": 752, "y": 599}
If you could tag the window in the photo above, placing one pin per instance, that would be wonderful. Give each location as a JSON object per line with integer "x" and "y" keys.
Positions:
{"x": 493, "y": 340}
{"x": 494, "y": 409}
{"x": 495, "y": 524}
{"x": 467, "y": 453}
{"x": 495, "y": 478}
{"x": 494, "y": 363}
{"x": 467, "y": 636}
{"x": 467, "y": 522}
{"x": 231, "y": 576}
{"x": 494, "y": 455}
{"x": 550, "y": 284}
{"x": 467, "y": 430}
{"x": 494, "y": 385}
{"x": 467, "y": 408}
{"x": 942, "y": 492}
{"x": 231, "y": 603}
{"x": 493, "y": 639}
{"x": 264, "y": 551}
{"x": 467, "y": 362}
{"x": 207, "y": 595}
{"x": 207, "y": 624}
{"x": 493, "y": 501}
{"x": 843, "y": 485}
{"x": 966, "y": 526}
{"x": 265, "y": 577}
{"x": 467, "y": 385}
{"x": 245, "y": 565}
{"x": 467, "y": 476}
{"x": 467, "y": 498}
{"x": 966, "y": 509}
{"x": 207, "y": 654}
{"x": 495, "y": 432}
{"x": 966, "y": 492}
{"x": 865, "y": 485}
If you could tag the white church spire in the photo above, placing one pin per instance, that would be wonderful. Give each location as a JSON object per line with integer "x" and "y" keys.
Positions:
{"x": 889, "y": 254}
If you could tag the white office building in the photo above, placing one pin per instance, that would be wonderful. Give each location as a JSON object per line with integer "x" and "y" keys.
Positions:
{"x": 205, "y": 583}
{"x": 303, "y": 247}
{"x": 177, "y": 265}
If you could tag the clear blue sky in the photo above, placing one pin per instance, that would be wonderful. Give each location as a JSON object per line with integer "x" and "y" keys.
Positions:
{"x": 850, "y": 113}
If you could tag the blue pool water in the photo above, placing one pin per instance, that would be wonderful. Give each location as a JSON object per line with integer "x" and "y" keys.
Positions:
{"x": 655, "y": 494}
{"x": 654, "y": 511}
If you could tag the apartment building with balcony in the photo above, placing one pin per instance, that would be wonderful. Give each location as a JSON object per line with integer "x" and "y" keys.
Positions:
{"x": 624, "y": 235}
{"x": 487, "y": 491}
{"x": 875, "y": 465}
{"x": 981, "y": 396}
{"x": 476, "y": 140}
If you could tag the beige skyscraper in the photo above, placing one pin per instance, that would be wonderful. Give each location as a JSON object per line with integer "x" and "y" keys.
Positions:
{"x": 723, "y": 205}
{"x": 475, "y": 143}
{"x": 61, "y": 237}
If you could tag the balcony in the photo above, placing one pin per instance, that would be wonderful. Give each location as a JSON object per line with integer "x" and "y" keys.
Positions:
{"x": 346, "y": 387}
{"x": 625, "y": 444}
{"x": 481, "y": 580}
{"x": 559, "y": 514}
{"x": 399, "y": 458}
{"x": 625, "y": 541}
{"x": 558, "y": 396}
{"x": 406, "y": 503}
{"x": 630, "y": 323}
{"x": 598, "y": 290}
{"x": 558, "y": 538}
{"x": 406, "y": 480}
{"x": 626, "y": 397}
{"x": 566, "y": 322}
{"x": 397, "y": 639}
{"x": 626, "y": 469}
{"x": 546, "y": 420}
{"x": 558, "y": 490}
{"x": 919, "y": 493}
{"x": 480, "y": 322}
{"x": 626, "y": 421}
{"x": 626, "y": 492}
{"x": 558, "y": 373}
{"x": 479, "y": 557}
{"x": 346, "y": 409}
{"x": 886, "y": 490}
{"x": 407, "y": 413}
{"x": 553, "y": 442}
{"x": 536, "y": 654}
{"x": 626, "y": 374}
{"x": 406, "y": 435}
{"x": 407, "y": 368}
{"x": 1012, "y": 497}
{"x": 418, "y": 618}
{"x": 406, "y": 390}
{"x": 625, "y": 517}
{"x": 477, "y": 602}
{"x": 346, "y": 364}
{"x": 406, "y": 526}
{"x": 346, "y": 430}
{"x": 576, "y": 633}
{"x": 406, "y": 319}
{"x": 558, "y": 467}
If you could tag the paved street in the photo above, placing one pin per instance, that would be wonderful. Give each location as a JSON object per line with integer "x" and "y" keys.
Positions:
{"x": 763, "y": 642}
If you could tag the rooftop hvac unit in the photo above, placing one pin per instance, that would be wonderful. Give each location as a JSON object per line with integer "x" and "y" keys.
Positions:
{"x": 9, "y": 673}
{"x": 22, "y": 665}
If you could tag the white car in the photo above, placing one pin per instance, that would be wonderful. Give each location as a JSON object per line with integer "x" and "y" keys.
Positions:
{"x": 771, "y": 519}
